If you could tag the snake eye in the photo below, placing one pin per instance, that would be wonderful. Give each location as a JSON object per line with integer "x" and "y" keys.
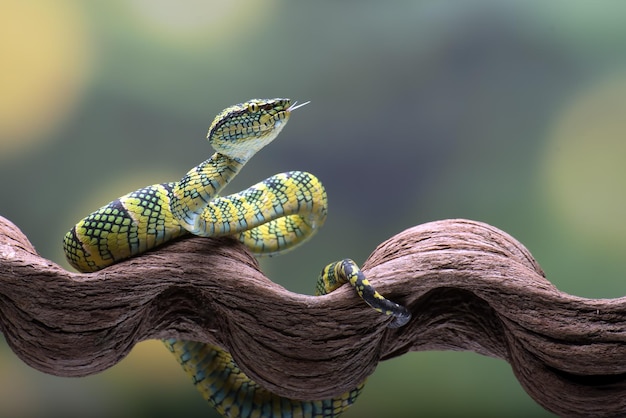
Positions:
{"x": 253, "y": 107}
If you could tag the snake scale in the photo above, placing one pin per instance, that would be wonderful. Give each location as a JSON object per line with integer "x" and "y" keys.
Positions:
{"x": 270, "y": 217}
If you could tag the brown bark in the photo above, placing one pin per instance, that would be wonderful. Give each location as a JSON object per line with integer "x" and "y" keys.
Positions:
{"x": 468, "y": 285}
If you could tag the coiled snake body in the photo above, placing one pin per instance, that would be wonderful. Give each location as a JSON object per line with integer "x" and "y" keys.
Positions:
{"x": 270, "y": 217}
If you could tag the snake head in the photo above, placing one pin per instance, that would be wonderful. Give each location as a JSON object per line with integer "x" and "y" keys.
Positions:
{"x": 242, "y": 130}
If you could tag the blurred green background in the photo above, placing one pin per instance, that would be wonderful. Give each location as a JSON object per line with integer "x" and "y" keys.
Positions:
{"x": 511, "y": 113}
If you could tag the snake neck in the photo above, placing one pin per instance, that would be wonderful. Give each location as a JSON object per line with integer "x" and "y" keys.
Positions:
{"x": 192, "y": 194}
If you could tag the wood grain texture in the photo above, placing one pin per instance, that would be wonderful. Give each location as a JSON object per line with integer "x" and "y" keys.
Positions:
{"x": 469, "y": 286}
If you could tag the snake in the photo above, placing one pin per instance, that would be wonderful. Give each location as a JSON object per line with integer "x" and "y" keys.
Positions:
{"x": 270, "y": 217}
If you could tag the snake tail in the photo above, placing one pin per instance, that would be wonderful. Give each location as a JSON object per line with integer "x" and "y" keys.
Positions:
{"x": 337, "y": 273}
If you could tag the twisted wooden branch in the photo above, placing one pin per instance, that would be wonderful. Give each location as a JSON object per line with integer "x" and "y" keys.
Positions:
{"x": 469, "y": 286}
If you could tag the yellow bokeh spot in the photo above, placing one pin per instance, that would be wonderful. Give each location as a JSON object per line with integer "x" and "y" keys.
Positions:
{"x": 585, "y": 166}
{"x": 44, "y": 65}
{"x": 184, "y": 21}
{"x": 153, "y": 359}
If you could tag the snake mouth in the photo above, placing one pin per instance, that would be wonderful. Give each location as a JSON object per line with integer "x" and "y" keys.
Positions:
{"x": 295, "y": 105}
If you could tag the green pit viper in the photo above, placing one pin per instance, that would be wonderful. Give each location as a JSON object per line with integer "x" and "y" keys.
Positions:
{"x": 270, "y": 217}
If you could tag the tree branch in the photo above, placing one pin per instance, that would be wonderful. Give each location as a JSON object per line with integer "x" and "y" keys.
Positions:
{"x": 468, "y": 285}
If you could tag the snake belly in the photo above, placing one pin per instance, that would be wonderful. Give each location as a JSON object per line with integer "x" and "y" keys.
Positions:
{"x": 270, "y": 217}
